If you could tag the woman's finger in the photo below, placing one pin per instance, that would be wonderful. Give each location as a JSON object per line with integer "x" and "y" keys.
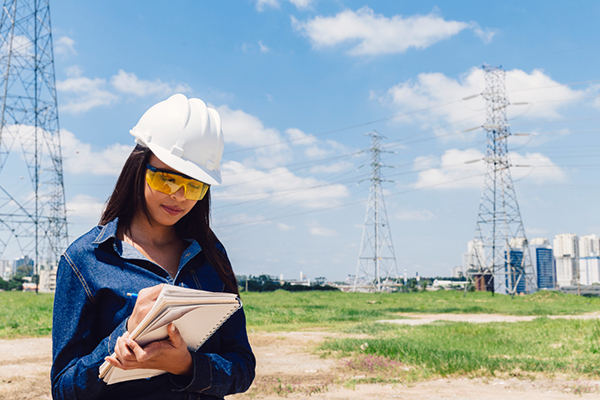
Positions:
{"x": 113, "y": 361}
{"x": 138, "y": 352}
{"x": 123, "y": 351}
{"x": 174, "y": 335}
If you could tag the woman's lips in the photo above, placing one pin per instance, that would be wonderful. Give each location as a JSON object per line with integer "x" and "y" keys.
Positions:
{"x": 172, "y": 210}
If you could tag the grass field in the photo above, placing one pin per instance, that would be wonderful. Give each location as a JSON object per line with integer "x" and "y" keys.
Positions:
{"x": 288, "y": 311}
{"x": 387, "y": 351}
{"x": 25, "y": 314}
{"x": 546, "y": 346}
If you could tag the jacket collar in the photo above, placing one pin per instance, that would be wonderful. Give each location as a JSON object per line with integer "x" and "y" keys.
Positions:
{"x": 108, "y": 231}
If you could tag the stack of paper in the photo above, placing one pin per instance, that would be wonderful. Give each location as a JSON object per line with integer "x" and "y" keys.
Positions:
{"x": 196, "y": 313}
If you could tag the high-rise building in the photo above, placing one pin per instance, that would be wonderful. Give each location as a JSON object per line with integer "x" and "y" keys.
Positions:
{"x": 23, "y": 266}
{"x": 589, "y": 269}
{"x": 566, "y": 245}
{"x": 457, "y": 272}
{"x": 475, "y": 250}
{"x": 543, "y": 262}
{"x": 589, "y": 244}
{"x": 540, "y": 240}
{"x": 6, "y": 270}
{"x": 514, "y": 271}
{"x": 566, "y": 253}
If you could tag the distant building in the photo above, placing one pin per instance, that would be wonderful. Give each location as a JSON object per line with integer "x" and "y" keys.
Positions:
{"x": 518, "y": 242}
{"x": 6, "y": 270}
{"x": 542, "y": 260}
{"x": 457, "y": 272}
{"x": 47, "y": 280}
{"x": 589, "y": 244}
{"x": 566, "y": 253}
{"x": 589, "y": 269}
{"x": 23, "y": 265}
{"x": 515, "y": 271}
{"x": 474, "y": 257}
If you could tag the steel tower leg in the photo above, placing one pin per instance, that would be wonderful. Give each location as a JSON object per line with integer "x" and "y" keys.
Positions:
{"x": 33, "y": 220}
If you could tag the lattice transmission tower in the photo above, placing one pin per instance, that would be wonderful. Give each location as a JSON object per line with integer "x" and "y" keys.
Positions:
{"x": 376, "y": 269}
{"x": 33, "y": 219}
{"x": 501, "y": 261}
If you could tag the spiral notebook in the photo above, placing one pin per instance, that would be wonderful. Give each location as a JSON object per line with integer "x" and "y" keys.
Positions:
{"x": 196, "y": 313}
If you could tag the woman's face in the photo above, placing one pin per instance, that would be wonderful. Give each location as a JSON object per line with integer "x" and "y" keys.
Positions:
{"x": 166, "y": 209}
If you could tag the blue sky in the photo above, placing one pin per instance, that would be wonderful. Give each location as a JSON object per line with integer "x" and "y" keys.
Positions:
{"x": 299, "y": 83}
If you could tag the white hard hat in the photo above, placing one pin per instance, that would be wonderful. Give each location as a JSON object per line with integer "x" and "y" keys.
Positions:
{"x": 184, "y": 134}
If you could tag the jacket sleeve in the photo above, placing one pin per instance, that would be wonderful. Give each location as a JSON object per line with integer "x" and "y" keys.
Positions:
{"x": 76, "y": 352}
{"x": 229, "y": 371}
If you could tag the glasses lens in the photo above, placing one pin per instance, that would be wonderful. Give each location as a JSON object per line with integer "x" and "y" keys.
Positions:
{"x": 168, "y": 183}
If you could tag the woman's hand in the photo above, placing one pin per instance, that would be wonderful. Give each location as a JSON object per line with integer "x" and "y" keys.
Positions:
{"x": 169, "y": 355}
{"x": 143, "y": 304}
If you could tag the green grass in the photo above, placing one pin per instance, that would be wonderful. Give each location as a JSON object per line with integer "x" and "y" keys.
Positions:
{"x": 25, "y": 314}
{"x": 547, "y": 346}
{"x": 288, "y": 311}
{"x": 544, "y": 345}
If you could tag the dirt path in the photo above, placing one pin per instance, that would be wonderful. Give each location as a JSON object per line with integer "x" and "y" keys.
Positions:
{"x": 288, "y": 368}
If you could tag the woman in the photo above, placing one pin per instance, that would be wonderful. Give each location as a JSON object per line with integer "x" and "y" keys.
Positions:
{"x": 154, "y": 231}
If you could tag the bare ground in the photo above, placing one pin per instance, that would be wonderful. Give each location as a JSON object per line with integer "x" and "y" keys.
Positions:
{"x": 287, "y": 367}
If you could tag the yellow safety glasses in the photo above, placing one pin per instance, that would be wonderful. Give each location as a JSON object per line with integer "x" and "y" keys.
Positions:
{"x": 169, "y": 182}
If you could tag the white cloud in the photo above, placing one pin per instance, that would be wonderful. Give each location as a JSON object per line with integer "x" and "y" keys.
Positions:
{"x": 129, "y": 83}
{"x": 300, "y": 4}
{"x": 263, "y": 47}
{"x": 64, "y": 46}
{"x": 316, "y": 148}
{"x": 80, "y": 158}
{"x": 485, "y": 35}
{"x": 316, "y": 152}
{"x": 278, "y": 186}
{"x": 413, "y": 215}
{"x": 21, "y": 46}
{"x": 284, "y": 227}
{"x": 442, "y": 96}
{"x": 300, "y": 138}
{"x": 246, "y": 130}
{"x": 235, "y": 220}
{"x": 74, "y": 71}
{"x": 375, "y": 34}
{"x": 85, "y": 207}
{"x": 316, "y": 230}
{"x": 452, "y": 170}
{"x": 83, "y": 94}
{"x": 332, "y": 168}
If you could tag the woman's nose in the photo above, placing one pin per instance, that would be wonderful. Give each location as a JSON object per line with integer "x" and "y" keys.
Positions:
{"x": 179, "y": 194}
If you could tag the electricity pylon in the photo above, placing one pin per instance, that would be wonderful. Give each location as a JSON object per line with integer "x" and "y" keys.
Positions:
{"x": 33, "y": 218}
{"x": 376, "y": 269}
{"x": 504, "y": 264}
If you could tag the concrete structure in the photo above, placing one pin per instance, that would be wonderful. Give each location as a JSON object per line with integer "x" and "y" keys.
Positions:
{"x": 589, "y": 244}
{"x": 566, "y": 253}
{"x": 470, "y": 260}
{"x": 542, "y": 260}
{"x": 6, "y": 269}
{"x": 514, "y": 271}
{"x": 589, "y": 269}
{"x": 47, "y": 281}
{"x": 457, "y": 272}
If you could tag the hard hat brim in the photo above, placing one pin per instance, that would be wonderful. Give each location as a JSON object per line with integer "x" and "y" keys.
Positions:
{"x": 186, "y": 167}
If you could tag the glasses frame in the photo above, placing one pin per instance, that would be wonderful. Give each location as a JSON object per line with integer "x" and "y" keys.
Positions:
{"x": 166, "y": 171}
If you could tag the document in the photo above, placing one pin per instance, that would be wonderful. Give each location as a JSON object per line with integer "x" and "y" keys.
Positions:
{"x": 196, "y": 313}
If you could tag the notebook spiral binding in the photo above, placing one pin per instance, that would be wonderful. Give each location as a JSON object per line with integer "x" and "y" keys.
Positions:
{"x": 217, "y": 326}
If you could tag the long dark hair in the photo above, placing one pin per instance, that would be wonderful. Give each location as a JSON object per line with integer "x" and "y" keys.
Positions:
{"x": 128, "y": 197}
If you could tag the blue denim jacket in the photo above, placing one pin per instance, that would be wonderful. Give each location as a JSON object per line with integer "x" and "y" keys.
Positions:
{"x": 91, "y": 309}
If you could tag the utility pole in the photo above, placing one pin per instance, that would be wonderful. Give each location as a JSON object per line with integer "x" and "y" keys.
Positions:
{"x": 376, "y": 259}
{"x": 504, "y": 264}
{"x": 33, "y": 218}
